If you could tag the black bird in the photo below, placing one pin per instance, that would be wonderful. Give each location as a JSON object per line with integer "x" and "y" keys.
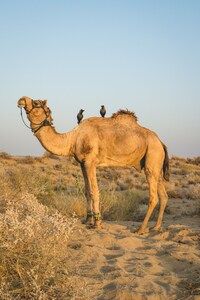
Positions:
{"x": 80, "y": 115}
{"x": 103, "y": 111}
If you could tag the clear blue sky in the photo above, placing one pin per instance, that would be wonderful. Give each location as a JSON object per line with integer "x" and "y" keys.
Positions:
{"x": 142, "y": 55}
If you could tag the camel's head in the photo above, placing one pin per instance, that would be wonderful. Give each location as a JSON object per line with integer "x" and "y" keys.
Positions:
{"x": 37, "y": 110}
{"x": 25, "y": 102}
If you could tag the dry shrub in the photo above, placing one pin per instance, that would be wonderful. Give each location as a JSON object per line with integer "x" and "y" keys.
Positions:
{"x": 26, "y": 160}
{"x": 70, "y": 204}
{"x": 121, "y": 205}
{"x": 33, "y": 244}
{"x": 173, "y": 194}
{"x": 115, "y": 205}
{"x": 181, "y": 170}
{"x": 176, "y": 158}
{"x": 195, "y": 160}
{"x": 193, "y": 192}
{"x": 188, "y": 192}
{"x": 21, "y": 179}
{"x": 194, "y": 179}
{"x": 47, "y": 154}
{"x": 68, "y": 200}
{"x": 5, "y": 155}
{"x": 123, "y": 185}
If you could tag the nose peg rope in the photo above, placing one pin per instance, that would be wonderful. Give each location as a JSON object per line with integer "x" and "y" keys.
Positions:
{"x": 23, "y": 119}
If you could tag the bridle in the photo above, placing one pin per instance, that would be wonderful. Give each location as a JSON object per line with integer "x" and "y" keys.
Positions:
{"x": 45, "y": 122}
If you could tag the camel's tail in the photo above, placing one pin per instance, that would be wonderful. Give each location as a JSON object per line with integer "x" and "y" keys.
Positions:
{"x": 166, "y": 164}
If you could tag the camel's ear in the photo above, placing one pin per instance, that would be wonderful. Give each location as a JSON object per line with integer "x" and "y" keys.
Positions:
{"x": 44, "y": 102}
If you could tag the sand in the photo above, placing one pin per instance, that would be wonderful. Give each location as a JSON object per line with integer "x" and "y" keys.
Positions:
{"x": 116, "y": 263}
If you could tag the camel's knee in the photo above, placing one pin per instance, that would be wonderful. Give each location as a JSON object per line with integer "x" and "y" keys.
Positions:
{"x": 153, "y": 201}
{"x": 153, "y": 195}
{"x": 153, "y": 190}
{"x": 94, "y": 195}
{"x": 161, "y": 186}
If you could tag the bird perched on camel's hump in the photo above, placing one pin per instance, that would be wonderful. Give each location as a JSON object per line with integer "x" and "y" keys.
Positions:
{"x": 80, "y": 115}
{"x": 103, "y": 111}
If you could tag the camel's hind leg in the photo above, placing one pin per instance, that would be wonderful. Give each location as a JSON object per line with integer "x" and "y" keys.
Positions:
{"x": 153, "y": 200}
{"x": 163, "y": 201}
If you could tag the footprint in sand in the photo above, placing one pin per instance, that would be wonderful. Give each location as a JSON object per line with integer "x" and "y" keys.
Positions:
{"x": 114, "y": 248}
{"x": 111, "y": 268}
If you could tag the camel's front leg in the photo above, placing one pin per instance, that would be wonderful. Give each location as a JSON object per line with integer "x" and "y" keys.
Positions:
{"x": 89, "y": 218}
{"x": 93, "y": 192}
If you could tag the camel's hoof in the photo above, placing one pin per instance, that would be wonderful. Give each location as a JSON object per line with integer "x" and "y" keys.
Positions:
{"x": 159, "y": 229}
{"x": 90, "y": 226}
{"x": 88, "y": 221}
{"x": 97, "y": 224}
{"x": 141, "y": 231}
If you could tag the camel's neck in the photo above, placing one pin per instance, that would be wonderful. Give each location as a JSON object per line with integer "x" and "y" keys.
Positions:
{"x": 56, "y": 143}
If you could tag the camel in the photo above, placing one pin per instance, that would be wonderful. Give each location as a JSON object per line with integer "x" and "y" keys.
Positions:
{"x": 116, "y": 141}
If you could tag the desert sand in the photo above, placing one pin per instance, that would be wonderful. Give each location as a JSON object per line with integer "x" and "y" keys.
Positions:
{"x": 116, "y": 263}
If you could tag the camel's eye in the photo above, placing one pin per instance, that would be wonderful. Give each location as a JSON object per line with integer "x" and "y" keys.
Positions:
{"x": 36, "y": 103}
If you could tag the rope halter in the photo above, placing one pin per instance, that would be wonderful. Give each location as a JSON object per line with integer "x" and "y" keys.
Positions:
{"x": 35, "y": 105}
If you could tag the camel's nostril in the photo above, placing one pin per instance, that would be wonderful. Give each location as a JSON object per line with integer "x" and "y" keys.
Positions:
{"x": 21, "y": 103}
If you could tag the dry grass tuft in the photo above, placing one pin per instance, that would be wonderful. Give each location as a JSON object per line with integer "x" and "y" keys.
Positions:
{"x": 120, "y": 206}
{"x": 4, "y": 155}
{"x": 33, "y": 249}
{"x": 195, "y": 160}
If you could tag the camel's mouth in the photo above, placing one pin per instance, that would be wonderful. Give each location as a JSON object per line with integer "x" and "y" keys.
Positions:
{"x": 21, "y": 103}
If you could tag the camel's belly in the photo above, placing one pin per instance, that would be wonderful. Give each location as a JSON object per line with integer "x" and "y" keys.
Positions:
{"x": 120, "y": 162}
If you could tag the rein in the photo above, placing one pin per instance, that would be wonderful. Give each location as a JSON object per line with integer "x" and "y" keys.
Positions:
{"x": 40, "y": 125}
{"x": 23, "y": 119}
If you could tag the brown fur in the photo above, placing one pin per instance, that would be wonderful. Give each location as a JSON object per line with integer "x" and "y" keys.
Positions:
{"x": 107, "y": 142}
{"x": 125, "y": 112}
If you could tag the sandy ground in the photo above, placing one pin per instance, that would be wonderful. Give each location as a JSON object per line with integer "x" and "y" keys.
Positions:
{"x": 116, "y": 263}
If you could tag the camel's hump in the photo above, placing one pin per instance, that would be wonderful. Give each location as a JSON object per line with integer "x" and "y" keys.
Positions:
{"x": 124, "y": 112}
